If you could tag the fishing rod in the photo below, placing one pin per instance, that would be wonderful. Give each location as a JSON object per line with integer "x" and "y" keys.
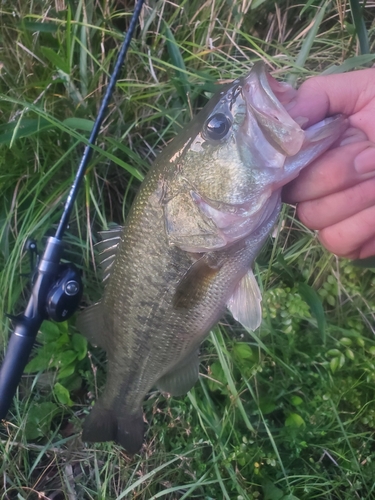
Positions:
{"x": 56, "y": 288}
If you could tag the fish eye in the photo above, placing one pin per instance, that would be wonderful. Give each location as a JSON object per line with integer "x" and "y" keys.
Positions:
{"x": 217, "y": 126}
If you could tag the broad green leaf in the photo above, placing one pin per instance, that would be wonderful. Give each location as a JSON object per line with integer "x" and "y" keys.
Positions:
{"x": 79, "y": 124}
{"x": 55, "y": 59}
{"x": 62, "y": 394}
{"x": 66, "y": 371}
{"x": 349, "y": 354}
{"x": 333, "y": 352}
{"x": 79, "y": 345}
{"x": 64, "y": 358}
{"x": 272, "y": 492}
{"x": 296, "y": 400}
{"x": 243, "y": 351}
{"x": 63, "y": 340}
{"x": 217, "y": 373}
{"x": 346, "y": 341}
{"x": 294, "y": 420}
{"x": 267, "y": 405}
{"x": 39, "y": 419}
{"x": 50, "y": 331}
{"x": 341, "y": 360}
{"x": 42, "y": 361}
{"x": 334, "y": 364}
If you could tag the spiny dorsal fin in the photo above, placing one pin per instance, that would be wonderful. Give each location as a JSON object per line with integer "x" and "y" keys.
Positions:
{"x": 245, "y": 303}
{"x": 107, "y": 248}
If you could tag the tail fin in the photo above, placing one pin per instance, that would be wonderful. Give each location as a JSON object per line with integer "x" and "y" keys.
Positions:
{"x": 105, "y": 425}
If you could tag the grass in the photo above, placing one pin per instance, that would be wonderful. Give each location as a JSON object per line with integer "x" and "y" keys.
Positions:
{"x": 285, "y": 413}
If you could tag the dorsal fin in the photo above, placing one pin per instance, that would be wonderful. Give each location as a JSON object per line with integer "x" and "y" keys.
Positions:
{"x": 107, "y": 249}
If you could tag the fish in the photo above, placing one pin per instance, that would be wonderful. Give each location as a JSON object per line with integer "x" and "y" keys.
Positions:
{"x": 186, "y": 250}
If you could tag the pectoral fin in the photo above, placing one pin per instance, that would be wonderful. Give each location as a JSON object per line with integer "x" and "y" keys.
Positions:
{"x": 182, "y": 378}
{"x": 245, "y": 303}
{"x": 90, "y": 323}
{"x": 196, "y": 282}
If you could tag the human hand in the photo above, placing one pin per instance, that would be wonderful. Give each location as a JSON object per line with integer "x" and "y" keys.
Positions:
{"x": 336, "y": 193}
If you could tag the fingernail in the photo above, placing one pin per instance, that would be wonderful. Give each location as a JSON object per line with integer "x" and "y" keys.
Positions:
{"x": 352, "y": 135}
{"x": 348, "y": 140}
{"x": 364, "y": 162}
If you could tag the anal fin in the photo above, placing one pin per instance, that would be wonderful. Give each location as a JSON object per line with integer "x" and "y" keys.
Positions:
{"x": 245, "y": 303}
{"x": 181, "y": 379}
{"x": 90, "y": 323}
{"x": 197, "y": 280}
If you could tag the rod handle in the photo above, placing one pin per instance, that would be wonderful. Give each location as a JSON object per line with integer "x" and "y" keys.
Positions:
{"x": 17, "y": 355}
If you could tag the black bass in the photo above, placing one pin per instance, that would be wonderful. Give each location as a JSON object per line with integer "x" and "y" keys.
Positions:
{"x": 185, "y": 253}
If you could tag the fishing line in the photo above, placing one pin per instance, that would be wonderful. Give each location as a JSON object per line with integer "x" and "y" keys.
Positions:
{"x": 56, "y": 288}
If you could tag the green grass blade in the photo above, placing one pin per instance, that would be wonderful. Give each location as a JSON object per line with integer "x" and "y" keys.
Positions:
{"x": 315, "y": 304}
{"x": 218, "y": 341}
{"x": 360, "y": 27}
{"x": 177, "y": 62}
{"x": 350, "y": 64}
{"x": 309, "y": 41}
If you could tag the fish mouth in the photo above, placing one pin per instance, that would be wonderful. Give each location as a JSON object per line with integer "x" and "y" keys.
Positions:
{"x": 265, "y": 99}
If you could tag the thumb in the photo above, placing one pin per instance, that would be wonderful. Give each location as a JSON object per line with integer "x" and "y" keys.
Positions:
{"x": 347, "y": 93}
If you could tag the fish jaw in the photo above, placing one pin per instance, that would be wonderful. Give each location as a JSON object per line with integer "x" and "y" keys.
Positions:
{"x": 277, "y": 126}
{"x": 297, "y": 148}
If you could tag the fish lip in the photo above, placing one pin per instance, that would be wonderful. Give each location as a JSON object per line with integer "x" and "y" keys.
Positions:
{"x": 282, "y": 92}
{"x": 263, "y": 104}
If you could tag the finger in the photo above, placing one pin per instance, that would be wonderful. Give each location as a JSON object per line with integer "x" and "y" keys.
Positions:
{"x": 336, "y": 207}
{"x": 368, "y": 249}
{"x": 348, "y": 93}
{"x": 334, "y": 171}
{"x": 346, "y": 238}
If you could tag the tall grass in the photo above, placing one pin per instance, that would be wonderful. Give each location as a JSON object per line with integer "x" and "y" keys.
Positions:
{"x": 285, "y": 413}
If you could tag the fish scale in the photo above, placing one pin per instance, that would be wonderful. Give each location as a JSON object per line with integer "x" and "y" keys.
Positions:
{"x": 200, "y": 218}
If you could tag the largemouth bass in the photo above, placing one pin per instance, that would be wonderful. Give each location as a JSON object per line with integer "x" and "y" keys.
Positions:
{"x": 200, "y": 218}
